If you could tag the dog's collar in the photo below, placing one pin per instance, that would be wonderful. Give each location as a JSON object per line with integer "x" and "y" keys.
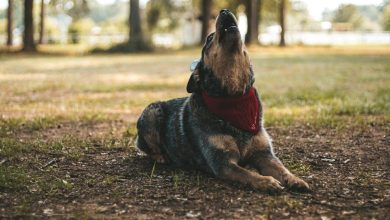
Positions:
{"x": 242, "y": 112}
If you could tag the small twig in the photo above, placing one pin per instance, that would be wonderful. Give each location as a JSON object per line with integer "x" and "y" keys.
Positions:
{"x": 51, "y": 162}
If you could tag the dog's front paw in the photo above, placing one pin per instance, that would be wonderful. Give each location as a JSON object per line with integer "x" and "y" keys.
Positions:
{"x": 296, "y": 183}
{"x": 268, "y": 183}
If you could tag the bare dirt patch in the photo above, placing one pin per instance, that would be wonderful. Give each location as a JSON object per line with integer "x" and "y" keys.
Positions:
{"x": 347, "y": 169}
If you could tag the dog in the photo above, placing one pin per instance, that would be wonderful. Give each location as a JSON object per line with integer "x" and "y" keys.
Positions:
{"x": 219, "y": 127}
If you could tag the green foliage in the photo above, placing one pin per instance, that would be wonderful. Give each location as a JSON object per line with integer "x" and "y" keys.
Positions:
{"x": 77, "y": 9}
{"x": 114, "y": 25}
{"x": 386, "y": 18}
{"x": 80, "y": 27}
{"x": 163, "y": 15}
{"x": 111, "y": 18}
{"x": 101, "y": 13}
{"x": 301, "y": 17}
{"x": 51, "y": 29}
{"x": 269, "y": 11}
{"x": 348, "y": 13}
{"x": 83, "y": 26}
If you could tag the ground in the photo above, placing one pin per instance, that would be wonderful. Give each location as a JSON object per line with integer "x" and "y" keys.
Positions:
{"x": 67, "y": 128}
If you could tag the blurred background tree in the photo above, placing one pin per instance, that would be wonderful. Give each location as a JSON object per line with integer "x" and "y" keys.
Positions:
{"x": 28, "y": 34}
{"x": 42, "y": 22}
{"x": 10, "y": 22}
{"x": 164, "y": 15}
{"x": 386, "y": 18}
{"x": 80, "y": 27}
{"x": 253, "y": 11}
{"x": 282, "y": 21}
{"x": 349, "y": 16}
{"x": 86, "y": 21}
{"x": 78, "y": 11}
{"x": 205, "y": 18}
{"x": 136, "y": 37}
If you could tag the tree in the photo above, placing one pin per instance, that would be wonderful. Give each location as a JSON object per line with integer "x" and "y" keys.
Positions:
{"x": 42, "y": 22}
{"x": 205, "y": 18}
{"x": 136, "y": 42}
{"x": 10, "y": 23}
{"x": 386, "y": 18}
{"x": 28, "y": 34}
{"x": 252, "y": 10}
{"x": 164, "y": 15}
{"x": 348, "y": 14}
{"x": 282, "y": 22}
{"x": 135, "y": 33}
{"x": 78, "y": 9}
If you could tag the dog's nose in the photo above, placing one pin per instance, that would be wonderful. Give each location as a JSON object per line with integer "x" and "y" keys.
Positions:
{"x": 224, "y": 11}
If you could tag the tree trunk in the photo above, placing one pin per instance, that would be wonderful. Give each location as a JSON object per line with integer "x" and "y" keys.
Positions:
{"x": 10, "y": 23}
{"x": 42, "y": 23}
{"x": 282, "y": 21}
{"x": 135, "y": 35}
{"x": 252, "y": 8}
{"x": 206, "y": 15}
{"x": 28, "y": 35}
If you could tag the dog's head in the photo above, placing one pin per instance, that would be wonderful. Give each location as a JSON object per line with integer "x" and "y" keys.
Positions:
{"x": 224, "y": 68}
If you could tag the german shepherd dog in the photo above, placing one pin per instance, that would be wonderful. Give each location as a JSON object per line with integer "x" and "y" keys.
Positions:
{"x": 218, "y": 129}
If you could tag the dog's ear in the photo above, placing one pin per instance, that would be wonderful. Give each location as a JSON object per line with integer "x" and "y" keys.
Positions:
{"x": 193, "y": 82}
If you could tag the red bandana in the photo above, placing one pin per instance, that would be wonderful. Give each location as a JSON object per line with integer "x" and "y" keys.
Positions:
{"x": 241, "y": 112}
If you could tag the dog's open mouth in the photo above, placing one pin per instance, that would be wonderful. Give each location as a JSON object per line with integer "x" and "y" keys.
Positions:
{"x": 227, "y": 27}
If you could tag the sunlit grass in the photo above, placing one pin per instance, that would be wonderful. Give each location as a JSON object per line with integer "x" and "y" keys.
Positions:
{"x": 296, "y": 84}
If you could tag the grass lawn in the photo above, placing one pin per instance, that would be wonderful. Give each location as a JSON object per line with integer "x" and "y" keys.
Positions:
{"x": 67, "y": 128}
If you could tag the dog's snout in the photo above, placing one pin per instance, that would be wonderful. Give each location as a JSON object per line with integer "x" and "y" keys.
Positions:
{"x": 224, "y": 11}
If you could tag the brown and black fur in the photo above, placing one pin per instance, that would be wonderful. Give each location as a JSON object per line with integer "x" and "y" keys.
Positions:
{"x": 184, "y": 132}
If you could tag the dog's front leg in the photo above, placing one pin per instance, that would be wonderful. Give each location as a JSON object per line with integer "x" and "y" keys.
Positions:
{"x": 222, "y": 155}
{"x": 232, "y": 171}
{"x": 268, "y": 164}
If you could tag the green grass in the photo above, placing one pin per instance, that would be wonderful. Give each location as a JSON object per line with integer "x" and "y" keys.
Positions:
{"x": 333, "y": 87}
{"x": 312, "y": 88}
{"x": 12, "y": 178}
{"x": 294, "y": 86}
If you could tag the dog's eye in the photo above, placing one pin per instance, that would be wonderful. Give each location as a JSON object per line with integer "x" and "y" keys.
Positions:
{"x": 208, "y": 42}
{"x": 209, "y": 38}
